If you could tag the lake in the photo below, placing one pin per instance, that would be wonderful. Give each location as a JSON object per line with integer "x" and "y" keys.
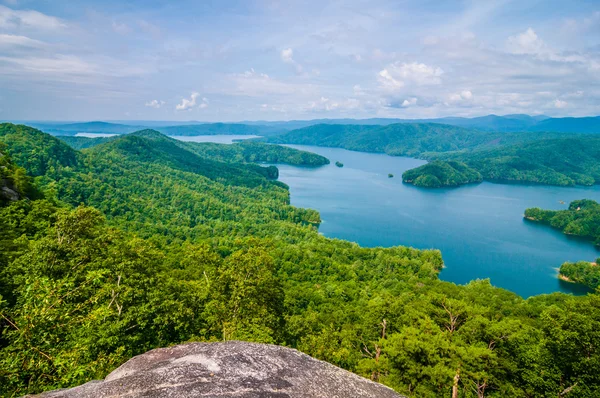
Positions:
{"x": 479, "y": 228}
{"x": 95, "y": 135}
{"x": 219, "y": 139}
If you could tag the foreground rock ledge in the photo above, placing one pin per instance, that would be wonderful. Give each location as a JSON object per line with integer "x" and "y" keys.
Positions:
{"x": 228, "y": 369}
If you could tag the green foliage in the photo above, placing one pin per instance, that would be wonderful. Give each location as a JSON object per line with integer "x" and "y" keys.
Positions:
{"x": 582, "y": 272}
{"x": 40, "y": 154}
{"x": 82, "y": 142}
{"x": 559, "y": 161}
{"x": 439, "y": 174}
{"x": 404, "y": 139}
{"x": 581, "y": 219}
{"x": 256, "y": 152}
{"x": 176, "y": 249}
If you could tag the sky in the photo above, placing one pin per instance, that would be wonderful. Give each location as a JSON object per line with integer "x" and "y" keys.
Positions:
{"x": 280, "y": 60}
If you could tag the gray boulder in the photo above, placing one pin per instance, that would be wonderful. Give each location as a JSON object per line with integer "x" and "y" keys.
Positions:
{"x": 230, "y": 369}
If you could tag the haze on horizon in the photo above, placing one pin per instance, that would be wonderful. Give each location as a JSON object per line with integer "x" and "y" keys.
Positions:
{"x": 280, "y": 60}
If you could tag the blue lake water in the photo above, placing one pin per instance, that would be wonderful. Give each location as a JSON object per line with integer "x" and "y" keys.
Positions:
{"x": 219, "y": 139}
{"x": 479, "y": 228}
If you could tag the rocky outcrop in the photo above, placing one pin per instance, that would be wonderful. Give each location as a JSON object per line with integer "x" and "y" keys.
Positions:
{"x": 8, "y": 194}
{"x": 228, "y": 369}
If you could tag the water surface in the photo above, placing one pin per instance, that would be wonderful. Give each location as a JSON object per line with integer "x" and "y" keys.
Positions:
{"x": 219, "y": 139}
{"x": 479, "y": 228}
{"x": 95, "y": 135}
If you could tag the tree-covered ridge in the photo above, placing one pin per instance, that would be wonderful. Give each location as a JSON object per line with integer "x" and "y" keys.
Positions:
{"x": 15, "y": 184}
{"x": 83, "y": 142}
{"x": 401, "y": 139}
{"x": 257, "y": 152}
{"x": 242, "y": 152}
{"x": 39, "y": 153}
{"x": 440, "y": 173}
{"x": 583, "y": 272}
{"x": 581, "y": 219}
{"x": 150, "y": 146}
{"x": 553, "y": 161}
{"x": 169, "y": 255}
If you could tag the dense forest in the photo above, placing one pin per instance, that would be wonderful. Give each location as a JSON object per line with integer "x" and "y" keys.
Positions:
{"x": 553, "y": 161}
{"x": 583, "y": 272}
{"x": 439, "y": 173}
{"x": 542, "y": 158}
{"x": 404, "y": 139}
{"x": 242, "y": 152}
{"x": 582, "y": 218}
{"x": 139, "y": 243}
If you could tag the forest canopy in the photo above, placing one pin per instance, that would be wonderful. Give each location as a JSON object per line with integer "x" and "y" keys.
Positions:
{"x": 139, "y": 243}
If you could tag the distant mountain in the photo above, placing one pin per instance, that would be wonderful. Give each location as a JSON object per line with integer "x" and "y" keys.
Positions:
{"x": 506, "y": 123}
{"x": 569, "y": 125}
{"x": 494, "y": 123}
{"x": 219, "y": 129}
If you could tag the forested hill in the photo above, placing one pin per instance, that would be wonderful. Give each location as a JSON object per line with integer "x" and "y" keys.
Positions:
{"x": 257, "y": 152}
{"x": 242, "y": 152}
{"x": 134, "y": 248}
{"x": 567, "y": 161}
{"x": 582, "y": 218}
{"x": 403, "y": 139}
{"x": 39, "y": 153}
{"x": 150, "y": 146}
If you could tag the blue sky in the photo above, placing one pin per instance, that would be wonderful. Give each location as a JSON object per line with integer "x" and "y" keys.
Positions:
{"x": 278, "y": 60}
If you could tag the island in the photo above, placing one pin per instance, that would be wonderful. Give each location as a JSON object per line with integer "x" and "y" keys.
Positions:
{"x": 582, "y": 218}
{"x": 339, "y": 164}
{"x": 583, "y": 272}
{"x": 438, "y": 174}
{"x": 390, "y": 175}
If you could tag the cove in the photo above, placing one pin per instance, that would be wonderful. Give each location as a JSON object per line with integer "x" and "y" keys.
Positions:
{"x": 479, "y": 229}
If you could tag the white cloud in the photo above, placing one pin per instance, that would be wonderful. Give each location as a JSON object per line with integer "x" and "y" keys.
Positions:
{"x": 287, "y": 55}
{"x": 326, "y": 104}
{"x": 255, "y": 84}
{"x": 560, "y": 104}
{"x": 527, "y": 42}
{"x": 187, "y": 104}
{"x": 464, "y": 95}
{"x": 13, "y": 19}
{"x": 409, "y": 102}
{"x": 398, "y": 75}
{"x": 155, "y": 104}
{"x": 19, "y": 41}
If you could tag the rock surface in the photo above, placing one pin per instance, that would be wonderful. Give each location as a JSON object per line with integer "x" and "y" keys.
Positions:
{"x": 228, "y": 369}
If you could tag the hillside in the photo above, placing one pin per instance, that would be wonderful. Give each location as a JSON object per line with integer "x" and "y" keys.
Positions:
{"x": 243, "y": 152}
{"x": 554, "y": 161}
{"x": 395, "y": 139}
{"x": 581, "y": 219}
{"x": 39, "y": 153}
{"x": 137, "y": 249}
{"x": 439, "y": 174}
{"x": 257, "y": 152}
{"x": 569, "y": 125}
{"x": 82, "y": 142}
